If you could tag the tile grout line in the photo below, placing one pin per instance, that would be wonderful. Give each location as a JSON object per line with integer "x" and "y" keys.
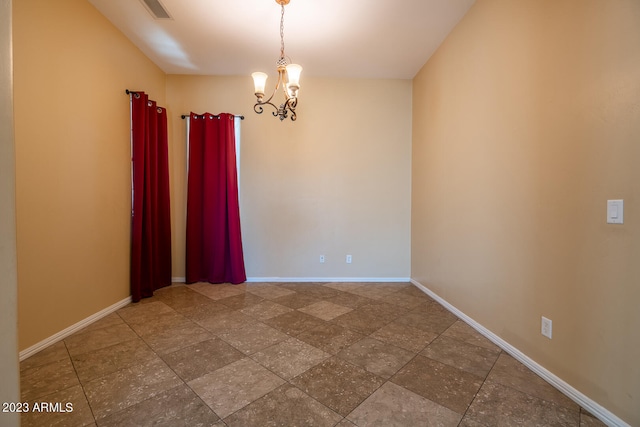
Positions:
{"x": 168, "y": 366}
{"x": 480, "y": 388}
{"x": 84, "y": 391}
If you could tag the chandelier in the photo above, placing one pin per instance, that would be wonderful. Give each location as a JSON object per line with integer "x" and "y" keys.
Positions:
{"x": 288, "y": 79}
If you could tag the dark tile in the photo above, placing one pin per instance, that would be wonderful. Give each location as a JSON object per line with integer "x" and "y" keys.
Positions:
{"x": 111, "y": 319}
{"x": 178, "y": 295}
{"x": 398, "y": 285}
{"x": 129, "y": 386}
{"x": 46, "y": 379}
{"x": 186, "y": 301}
{"x": 363, "y": 322}
{"x": 84, "y": 342}
{"x": 373, "y": 290}
{"x": 403, "y": 336}
{"x": 468, "y": 422}
{"x": 178, "y": 406}
{"x": 296, "y": 300}
{"x": 416, "y": 292}
{"x": 392, "y": 405}
{"x": 439, "y": 383}
{"x": 433, "y": 318}
{"x": 219, "y": 323}
{"x": 468, "y": 357}
{"x": 388, "y": 312}
{"x": 377, "y": 357}
{"x": 217, "y": 291}
{"x": 497, "y": 404}
{"x": 98, "y": 363}
{"x": 588, "y": 420}
{"x": 300, "y": 286}
{"x": 173, "y": 339}
{"x": 294, "y": 322}
{"x": 254, "y": 337}
{"x": 73, "y": 410}
{"x": 265, "y": 310}
{"x": 174, "y": 290}
{"x": 53, "y": 353}
{"x": 160, "y": 322}
{"x": 270, "y": 292}
{"x": 329, "y": 337}
{"x": 143, "y": 312}
{"x": 253, "y": 285}
{"x": 403, "y": 300}
{"x": 284, "y": 406}
{"x": 200, "y": 359}
{"x": 338, "y": 384}
{"x": 344, "y": 286}
{"x": 241, "y": 301}
{"x": 465, "y": 333}
{"x": 290, "y": 358}
{"x": 201, "y": 308}
{"x": 318, "y": 291}
{"x": 508, "y": 371}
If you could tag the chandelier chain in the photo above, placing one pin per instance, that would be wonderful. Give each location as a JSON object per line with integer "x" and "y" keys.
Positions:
{"x": 282, "y": 32}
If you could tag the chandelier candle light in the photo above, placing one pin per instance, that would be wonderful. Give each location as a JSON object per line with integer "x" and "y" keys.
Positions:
{"x": 288, "y": 78}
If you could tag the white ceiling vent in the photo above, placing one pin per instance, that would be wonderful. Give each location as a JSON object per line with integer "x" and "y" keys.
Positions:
{"x": 156, "y": 9}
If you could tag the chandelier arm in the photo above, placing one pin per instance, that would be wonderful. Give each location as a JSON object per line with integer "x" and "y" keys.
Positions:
{"x": 275, "y": 90}
{"x": 282, "y": 112}
{"x": 258, "y": 106}
{"x": 291, "y": 103}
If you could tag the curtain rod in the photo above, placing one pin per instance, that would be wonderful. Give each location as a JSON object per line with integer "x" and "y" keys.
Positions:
{"x": 186, "y": 116}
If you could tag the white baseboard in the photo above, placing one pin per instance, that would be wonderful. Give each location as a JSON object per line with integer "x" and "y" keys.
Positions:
{"x": 71, "y": 329}
{"x": 594, "y": 408}
{"x": 314, "y": 279}
{"x": 328, "y": 279}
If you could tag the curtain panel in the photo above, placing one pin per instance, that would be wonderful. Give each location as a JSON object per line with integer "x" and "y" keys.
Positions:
{"x": 214, "y": 241}
{"x": 150, "y": 211}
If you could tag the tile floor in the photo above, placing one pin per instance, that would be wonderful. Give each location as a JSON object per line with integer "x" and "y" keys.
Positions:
{"x": 288, "y": 354}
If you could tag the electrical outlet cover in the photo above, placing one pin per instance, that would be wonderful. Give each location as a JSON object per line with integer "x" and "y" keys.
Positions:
{"x": 546, "y": 327}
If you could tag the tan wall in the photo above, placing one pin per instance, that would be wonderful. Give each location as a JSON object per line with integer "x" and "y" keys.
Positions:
{"x": 525, "y": 122}
{"x": 9, "y": 386}
{"x": 335, "y": 182}
{"x": 72, "y": 161}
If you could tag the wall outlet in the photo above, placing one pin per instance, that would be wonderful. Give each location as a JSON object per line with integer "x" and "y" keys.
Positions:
{"x": 547, "y": 327}
{"x": 348, "y": 259}
{"x": 321, "y": 259}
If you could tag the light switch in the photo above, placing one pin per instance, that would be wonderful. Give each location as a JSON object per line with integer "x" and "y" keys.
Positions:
{"x": 615, "y": 211}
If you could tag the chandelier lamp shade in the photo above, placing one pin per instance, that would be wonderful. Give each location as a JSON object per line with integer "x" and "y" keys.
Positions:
{"x": 288, "y": 81}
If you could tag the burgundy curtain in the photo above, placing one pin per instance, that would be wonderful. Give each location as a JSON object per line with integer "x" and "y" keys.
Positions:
{"x": 214, "y": 242}
{"x": 150, "y": 217}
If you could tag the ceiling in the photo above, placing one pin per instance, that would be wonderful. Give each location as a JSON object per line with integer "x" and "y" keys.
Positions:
{"x": 329, "y": 38}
